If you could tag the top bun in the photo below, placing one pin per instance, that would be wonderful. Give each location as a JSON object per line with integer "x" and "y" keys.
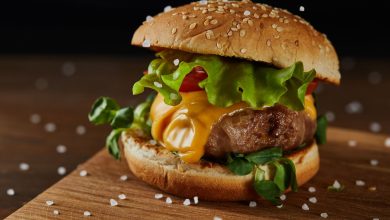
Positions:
{"x": 241, "y": 29}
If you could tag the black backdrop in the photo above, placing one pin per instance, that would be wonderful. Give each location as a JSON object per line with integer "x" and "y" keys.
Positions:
{"x": 357, "y": 28}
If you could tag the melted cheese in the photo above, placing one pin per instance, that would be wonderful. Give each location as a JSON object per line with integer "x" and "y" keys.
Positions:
{"x": 185, "y": 128}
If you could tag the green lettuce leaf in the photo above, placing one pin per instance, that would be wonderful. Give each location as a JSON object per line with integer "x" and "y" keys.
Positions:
{"x": 229, "y": 80}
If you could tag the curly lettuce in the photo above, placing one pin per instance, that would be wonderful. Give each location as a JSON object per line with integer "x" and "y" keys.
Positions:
{"x": 229, "y": 80}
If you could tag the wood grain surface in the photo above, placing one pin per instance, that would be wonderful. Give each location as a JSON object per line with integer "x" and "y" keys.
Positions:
{"x": 75, "y": 194}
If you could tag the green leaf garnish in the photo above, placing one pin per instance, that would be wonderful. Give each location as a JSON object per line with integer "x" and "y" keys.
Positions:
{"x": 103, "y": 111}
{"x": 322, "y": 123}
{"x": 280, "y": 175}
{"x": 264, "y": 156}
{"x": 240, "y": 166}
{"x": 291, "y": 179}
{"x": 123, "y": 118}
{"x": 268, "y": 190}
{"x": 112, "y": 142}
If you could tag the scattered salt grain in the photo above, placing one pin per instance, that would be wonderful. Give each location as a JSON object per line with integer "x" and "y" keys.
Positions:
{"x": 176, "y": 62}
{"x": 56, "y": 212}
{"x": 247, "y": 13}
{"x": 87, "y": 213}
{"x": 280, "y": 206}
{"x": 146, "y": 43}
{"x": 149, "y": 18}
{"x": 360, "y": 183}
{"x": 24, "y": 166}
{"x": 354, "y": 107}
{"x": 167, "y": 8}
{"x": 168, "y": 200}
{"x": 372, "y": 188}
{"x": 35, "y": 118}
{"x": 283, "y": 197}
{"x": 313, "y": 199}
{"x": 41, "y": 84}
{"x": 252, "y": 204}
{"x": 81, "y": 130}
{"x": 68, "y": 69}
{"x": 196, "y": 200}
{"x": 122, "y": 196}
{"x": 375, "y": 127}
{"x": 336, "y": 184}
{"x": 187, "y": 202}
{"x": 49, "y": 202}
{"x": 113, "y": 202}
{"x": 374, "y": 162}
{"x": 301, "y": 8}
{"x": 330, "y": 116}
{"x": 123, "y": 178}
{"x": 387, "y": 142}
{"x": 10, "y": 192}
{"x": 50, "y": 127}
{"x": 352, "y": 143}
{"x": 83, "y": 173}
{"x": 312, "y": 189}
{"x": 61, "y": 170}
{"x": 217, "y": 218}
{"x": 375, "y": 219}
{"x": 374, "y": 78}
{"x": 61, "y": 149}
{"x": 305, "y": 207}
{"x": 158, "y": 196}
{"x": 324, "y": 215}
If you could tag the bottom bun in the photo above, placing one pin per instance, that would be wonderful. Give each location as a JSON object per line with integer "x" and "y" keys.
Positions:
{"x": 209, "y": 181}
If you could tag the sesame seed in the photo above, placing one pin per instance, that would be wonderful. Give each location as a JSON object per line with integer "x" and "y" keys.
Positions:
{"x": 279, "y": 29}
{"x": 174, "y": 30}
{"x": 168, "y": 200}
{"x": 354, "y": 107}
{"x": 243, "y": 50}
{"x": 219, "y": 45}
{"x": 242, "y": 33}
{"x": 209, "y": 34}
{"x": 211, "y": 9}
{"x": 217, "y": 218}
{"x": 263, "y": 8}
{"x": 173, "y": 96}
{"x": 168, "y": 8}
{"x": 176, "y": 62}
{"x": 157, "y": 84}
{"x": 235, "y": 5}
{"x": 352, "y": 143}
{"x": 146, "y": 43}
{"x": 232, "y": 11}
{"x": 387, "y": 142}
{"x": 87, "y": 213}
{"x": 247, "y": 13}
{"x": 24, "y": 166}
{"x": 264, "y": 15}
{"x": 35, "y": 118}
{"x": 286, "y": 21}
{"x": 196, "y": 200}
{"x": 149, "y": 18}
{"x": 81, "y": 130}
{"x": 374, "y": 162}
{"x": 250, "y": 22}
{"x": 252, "y": 204}
{"x": 193, "y": 25}
{"x": 311, "y": 189}
{"x": 360, "y": 183}
{"x": 83, "y": 173}
{"x": 256, "y": 15}
{"x": 283, "y": 197}
{"x": 276, "y": 36}
{"x": 122, "y": 196}
{"x": 123, "y": 177}
{"x": 56, "y": 212}
{"x": 184, "y": 17}
{"x": 305, "y": 207}
{"x": 61, "y": 170}
{"x": 41, "y": 84}
{"x": 301, "y": 8}
{"x": 375, "y": 127}
{"x": 10, "y": 192}
{"x": 313, "y": 199}
{"x": 214, "y": 21}
{"x": 269, "y": 43}
{"x": 113, "y": 202}
{"x": 280, "y": 206}
{"x": 158, "y": 196}
{"x": 206, "y": 22}
{"x": 274, "y": 26}
{"x": 330, "y": 116}
{"x": 61, "y": 149}
{"x": 49, "y": 202}
{"x": 50, "y": 127}
{"x": 187, "y": 202}
{"x": 324, "y": 215}
{"x": 204, "y": 11}
{"x": 230, "y": 33}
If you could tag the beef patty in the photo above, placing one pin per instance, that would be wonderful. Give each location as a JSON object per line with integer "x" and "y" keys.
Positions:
{"x": 250, "y": 130}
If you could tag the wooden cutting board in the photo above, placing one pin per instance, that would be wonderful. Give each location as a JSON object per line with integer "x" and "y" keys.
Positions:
{"x": 339, "y": 161}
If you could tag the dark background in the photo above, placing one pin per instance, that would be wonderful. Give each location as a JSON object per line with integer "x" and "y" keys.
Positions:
{"x": 356, "y": 28}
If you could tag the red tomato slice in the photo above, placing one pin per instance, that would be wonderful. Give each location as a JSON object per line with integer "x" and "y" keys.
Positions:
{"x": 191, "y": 80}
{"x": 312, "y": 86}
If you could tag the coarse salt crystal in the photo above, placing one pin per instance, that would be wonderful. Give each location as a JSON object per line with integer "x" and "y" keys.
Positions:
{"x": 122, "y": 196}
{"x": 336, "y": 184}
{"x": 247, "y": 13}
{"x": 176, "y": 62}
{"x": 81, "y": 130}
{"x": 196, "y": 200}
{"x": 330, "y": 116}
{"x": 149, "y": 18}
{"x": 283, "y": 197}
{"x": 187, "y": 202}
{"x": 61, "y": 149}
{"x": 83, "y": 173}
{"x": 252, "y": 204}
{"x": 113, "y": 202}
{"x": 280, "y": 206}
{"x": 305, "y": 207}
{"x": 217, "y": 218}
{"x": 10, "y": 192}
{"x": 354, "y": 107}
{"x": 313, "y": 199}
{"x": 50, "y": 127}
{"x": 374, "y": 162}
{"x": 168, "y": 200}
{"x": 324, "y": 215}
{"x": 24, "y": 166}
{"x": 375, "y": 218}
{"x": 387, "y": 142}
{"x": 158, "y": 196}
{"x": 301, "y": 8}
{"x": 56, "y": 212}
{"x": 61, "y": 170}
{"x": 312, "y": 189}
{"x": 375, "y": 127}
{"x": 123, "y": 178}
{"x": 167, "y": 8}
{"x": 35, "y": 118}
{"x": 360, "y": 183}
{"x": 352, "y": 143}
{"x": 146, "y": 43}
{"x": 87, "y": 213}
{"x": 49, "y": 202}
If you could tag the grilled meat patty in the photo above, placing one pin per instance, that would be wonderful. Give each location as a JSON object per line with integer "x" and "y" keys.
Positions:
{"x": 250, "y": 130}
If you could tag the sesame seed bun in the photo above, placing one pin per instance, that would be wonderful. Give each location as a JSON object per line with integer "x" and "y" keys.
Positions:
{"x": 242, "y": 29}
{"x": 209, "y": 181}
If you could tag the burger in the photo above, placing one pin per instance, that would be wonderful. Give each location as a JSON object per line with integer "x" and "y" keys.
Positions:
{"x": 234, "y": 116}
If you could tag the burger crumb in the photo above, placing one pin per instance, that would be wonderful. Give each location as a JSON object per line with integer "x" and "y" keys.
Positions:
{"x": 187, "y": 202}
{"x": 305, "y": 207}
{"x": 168, "y": 200}
{"x": 312, "y": 189}
{"x": 360, "y": 183}
{"x": 252, "y": 204}
{"x": 196, "y": 200}
{"x": 313, "y": 200}
{"x": 158, "y": 196}
{"x": 324, "y": 215}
